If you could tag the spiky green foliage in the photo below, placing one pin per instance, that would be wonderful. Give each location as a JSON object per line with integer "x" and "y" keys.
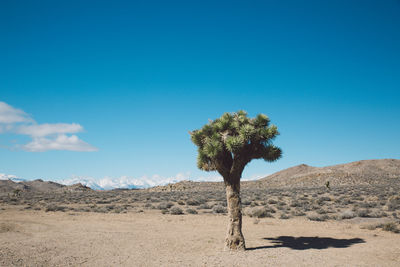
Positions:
{"x": 228, "y": 143}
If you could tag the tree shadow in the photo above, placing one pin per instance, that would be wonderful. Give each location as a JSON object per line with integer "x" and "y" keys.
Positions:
{"x": 303, "y": 243}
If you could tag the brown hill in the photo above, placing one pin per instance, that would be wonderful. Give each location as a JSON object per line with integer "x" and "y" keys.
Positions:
{"x": 364, "y": 172}
{"x": 41, "y": 186}
{"x": 188, "y": 186}
{"x": 9, "y": 186}
{"x": 77, "y": 188}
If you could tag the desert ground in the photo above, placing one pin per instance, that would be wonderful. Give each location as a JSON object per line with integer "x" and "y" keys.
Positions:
{"x": 37, "y": 238}
{"x": 289, "y": 219}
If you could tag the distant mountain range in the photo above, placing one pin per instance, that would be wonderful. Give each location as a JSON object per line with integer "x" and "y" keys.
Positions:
{"x": 364, "y": 172}
{"x": 101, "y": 184}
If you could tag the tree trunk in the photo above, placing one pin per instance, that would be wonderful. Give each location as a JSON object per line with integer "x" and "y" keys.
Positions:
{"x": 234, "y": 238}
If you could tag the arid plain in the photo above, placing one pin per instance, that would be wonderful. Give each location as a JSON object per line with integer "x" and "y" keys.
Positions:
{"x": 291, "y": 219}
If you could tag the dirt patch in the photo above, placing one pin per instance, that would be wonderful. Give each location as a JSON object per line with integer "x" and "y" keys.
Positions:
{"x": 150, "y": 238}
{"x": 9, "y": 227}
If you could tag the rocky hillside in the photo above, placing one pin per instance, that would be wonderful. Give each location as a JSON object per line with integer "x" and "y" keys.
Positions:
{"x": 9, "y": 186}
{"x": 364, "y": 172}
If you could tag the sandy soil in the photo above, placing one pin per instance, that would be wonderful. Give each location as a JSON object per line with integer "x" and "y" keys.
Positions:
{"x": 37, "y": 238}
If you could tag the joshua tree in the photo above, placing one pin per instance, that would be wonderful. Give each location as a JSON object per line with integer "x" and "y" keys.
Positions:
{"x": 226, "y": 145}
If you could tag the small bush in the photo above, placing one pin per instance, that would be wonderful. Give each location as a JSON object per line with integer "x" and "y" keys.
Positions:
{"x": 246, "y": 202}
{"x": 321, "y": 211}
{"x": 318, "y": 217}
{"x": 321, "y": 200}
{"x": 298, "y": 213}
{"x": 390, "y": 227}
{"x": 205, "y": 206}
{"x": 259, "y": 212}
{"x": 295, "y": 203}
{"x": 54, "y": 207}
{"x": 192, "y": 202}
{"x": 347, "y": 214}
{"x": 377, "y": 214}
{"x": 219, "y": 209}
{"x": 148, "y": 205}
{"x": 176, "y": 211}
{"x": 284, "y": 216}
{"x": 363, "y": 213}
{"x": 164, "y": 211}
{"x": 272, "y": 201}
{"x": 393, "y": 203}
{"x": 372, "y": 226}
{"x": 191, "y": 211}
{"x": 281, "y": 203}
{"x": 165, "y": 205}
{"x": 100, "y": 209}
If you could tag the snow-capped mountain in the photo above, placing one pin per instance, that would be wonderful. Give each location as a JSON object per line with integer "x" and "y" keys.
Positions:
{"x": 11, "y": 177}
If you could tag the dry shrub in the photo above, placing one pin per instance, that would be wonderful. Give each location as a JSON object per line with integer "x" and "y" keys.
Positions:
{"x": 317, "y": 217}
{"x": 219, "y": 209}
{"x": 388, "y": 226}
{"x": 297, "y": 213}
{"x": 165, "y": 205}
{"x": 393, "y": 203}
{"x": 176, "y": 211}
{"x": 259, "y": 212}
{"x": 347, "y": 214}
{"x": 54, "y": 207}
{"x": 191, "y": 211}
{"x": 363, "y": 213}
{"x": 284, "y": 216}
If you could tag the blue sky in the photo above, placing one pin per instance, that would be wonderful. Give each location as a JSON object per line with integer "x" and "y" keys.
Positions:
{"x": 129, "y": 79}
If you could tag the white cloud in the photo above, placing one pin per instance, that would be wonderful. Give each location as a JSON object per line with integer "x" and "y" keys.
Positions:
{"x": 59, "y": 142}
{"x": 46, "y": 136}
{"x": 39, "y": 130}
{"x": 9, "y": 114}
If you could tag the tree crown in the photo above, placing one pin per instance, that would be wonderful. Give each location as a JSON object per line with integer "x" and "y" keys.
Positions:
{"x": 228, "y": 143}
